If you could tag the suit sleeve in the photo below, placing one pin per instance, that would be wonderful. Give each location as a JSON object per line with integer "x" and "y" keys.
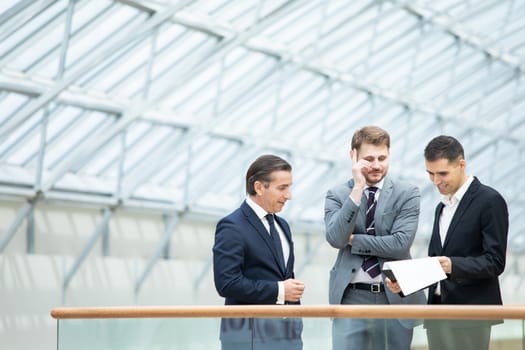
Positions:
{"x": 395, "y": 240}
{"x": 340, "y": 217}
{"x": 489, "y": 261}
{"x": 228, "y": 267}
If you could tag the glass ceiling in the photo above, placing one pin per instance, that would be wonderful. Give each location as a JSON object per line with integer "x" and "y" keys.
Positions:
{"x": 162, "y": 105}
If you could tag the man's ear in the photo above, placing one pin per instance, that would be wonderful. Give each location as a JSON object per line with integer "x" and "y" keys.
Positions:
{"x": 258, "y": 185}
{"x": 462, "y": 163}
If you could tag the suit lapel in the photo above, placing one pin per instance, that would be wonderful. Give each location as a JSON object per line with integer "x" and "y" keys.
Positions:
{"x": 382, "y": 203}
{"x": 257, "y": 224}
{"x": 284, "y": 226}
{"x": 360, "y": 222}
{"x": 435, "y": 240}
{"x": 462, "y": 208}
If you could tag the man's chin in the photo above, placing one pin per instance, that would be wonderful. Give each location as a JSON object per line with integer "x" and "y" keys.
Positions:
{"x": 278, "y": 209}
{"x": 443, "y": 191}
{"x": 374, "y": 179}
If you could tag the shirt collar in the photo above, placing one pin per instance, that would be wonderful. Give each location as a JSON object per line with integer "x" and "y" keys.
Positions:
{"x": 379, "y": 185}
{"x": 456, "y": 198}
{"x": 259, "y": 211}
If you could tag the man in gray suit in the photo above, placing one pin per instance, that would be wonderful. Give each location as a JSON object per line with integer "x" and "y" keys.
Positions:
{"x": 370, "y": 219}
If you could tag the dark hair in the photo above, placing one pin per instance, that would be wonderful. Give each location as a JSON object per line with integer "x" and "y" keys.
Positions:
{"x": 444, "y": 147}
{"x": 370, "y": 134}
{"x": 262, "y": 168}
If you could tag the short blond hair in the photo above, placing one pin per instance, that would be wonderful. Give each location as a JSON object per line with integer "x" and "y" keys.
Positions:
{"x": 370, "y": 134}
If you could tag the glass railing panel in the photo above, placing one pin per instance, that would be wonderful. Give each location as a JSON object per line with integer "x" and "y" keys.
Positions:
{"x": 139, "y": 333}
{"x": 246, "y": 334}
{"x": 508, "y": 335}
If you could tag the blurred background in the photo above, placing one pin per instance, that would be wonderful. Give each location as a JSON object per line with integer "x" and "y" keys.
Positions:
{"x": 126, "y": 128}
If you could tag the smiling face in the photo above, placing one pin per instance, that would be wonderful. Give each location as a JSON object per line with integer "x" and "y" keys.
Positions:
{"x": 273, "y": 195}
{"x": 378, "y": 158}
{"x": 447, "y": 176}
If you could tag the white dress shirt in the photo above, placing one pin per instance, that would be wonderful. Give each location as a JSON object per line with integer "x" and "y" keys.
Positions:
{"x": 449, "y": 209}
{"x": 451, "y": 204}
{"x": 361, "y": 275}
{"x": 261, "y": 214}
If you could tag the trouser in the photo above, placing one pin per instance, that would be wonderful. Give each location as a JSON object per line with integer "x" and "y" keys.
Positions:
{"x": 369, "y": 334}
{"x": 261, "y": 333}
{"x": 457, "y": 334}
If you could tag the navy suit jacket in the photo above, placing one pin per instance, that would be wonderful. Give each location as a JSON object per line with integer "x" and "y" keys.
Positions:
{"x": 245, "y": 263}
{"x": 476, "y": 242}
{"x": 246, "y": 270}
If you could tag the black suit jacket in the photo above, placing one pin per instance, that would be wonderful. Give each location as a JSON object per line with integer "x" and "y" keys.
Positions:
{"x": 246, "y": 270}
{"x": 476, "y": 242}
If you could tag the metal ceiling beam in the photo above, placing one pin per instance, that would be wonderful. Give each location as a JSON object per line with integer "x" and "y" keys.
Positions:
{"x": 38, "y": 32}
{"x": 18, "y": 15}
{"x": 139, "y": 5}
{"x": 450, "y": 25}
{"x": 137, "y": 108}
{"x": 316, "y": 69}
{"x": 269, "y": 47}
{"x": 157, "y": 160}
{"x": 23, "y": 213}
{"x": 93, "y": 58}
{"x": 162, "y": 119}
{"x": 101, "y": 227}
{"x": 170, "y": 227}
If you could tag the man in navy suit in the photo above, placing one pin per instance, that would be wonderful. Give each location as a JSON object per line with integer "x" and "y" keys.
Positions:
{"x": 253, "y": 260}
{"x": 469, "y": 238}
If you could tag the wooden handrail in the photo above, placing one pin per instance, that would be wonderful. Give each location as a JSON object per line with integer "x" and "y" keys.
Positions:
{"x": 444, "y": 312}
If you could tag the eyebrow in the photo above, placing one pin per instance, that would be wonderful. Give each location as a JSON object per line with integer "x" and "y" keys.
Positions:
{"x": 438, "y": 172}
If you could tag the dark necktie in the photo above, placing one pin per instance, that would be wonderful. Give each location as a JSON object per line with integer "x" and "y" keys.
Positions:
{"x": 371, "y": 263}
{"x": 276, "y": 240}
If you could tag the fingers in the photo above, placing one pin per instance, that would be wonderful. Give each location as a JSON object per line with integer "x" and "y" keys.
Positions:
{"x": 393, "y": 286}
{"x": 294, "y": 289}
{"x": 446, "y": 263}
{"x": 298, "y": 288}
{"x": 298, "y": 285}
{"x": 359, "y": 166}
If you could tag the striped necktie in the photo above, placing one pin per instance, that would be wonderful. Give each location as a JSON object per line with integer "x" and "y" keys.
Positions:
{"x": 371, "y": 263}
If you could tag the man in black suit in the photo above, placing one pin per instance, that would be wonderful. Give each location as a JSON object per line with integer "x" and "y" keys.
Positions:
{"x": 469, "y": 238}
{"x": 253, "y": 260}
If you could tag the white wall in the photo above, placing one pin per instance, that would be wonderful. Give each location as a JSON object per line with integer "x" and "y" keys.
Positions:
{"x": 31, "y": 284}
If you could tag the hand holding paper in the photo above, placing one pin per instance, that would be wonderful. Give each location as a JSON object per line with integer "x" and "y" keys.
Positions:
{"x": 414, "y": 274}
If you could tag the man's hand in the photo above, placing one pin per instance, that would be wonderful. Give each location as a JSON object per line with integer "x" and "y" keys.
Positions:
{"x": 293, "y": 289}
{"x": 359, "y": 168}
{"x": 393, "y": 286}
{"x": 446, "y": 263}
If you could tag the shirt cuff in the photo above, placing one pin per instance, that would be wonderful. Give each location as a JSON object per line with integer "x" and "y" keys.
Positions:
{"x": 280, "y": 295}
{"x": 349, "y": 196}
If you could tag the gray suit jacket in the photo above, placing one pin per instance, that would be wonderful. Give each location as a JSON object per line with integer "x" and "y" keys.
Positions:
{"x": 396, "y": 220}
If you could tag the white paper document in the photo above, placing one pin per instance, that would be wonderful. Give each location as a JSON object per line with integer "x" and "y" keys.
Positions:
{"x": 414, "y": 274}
